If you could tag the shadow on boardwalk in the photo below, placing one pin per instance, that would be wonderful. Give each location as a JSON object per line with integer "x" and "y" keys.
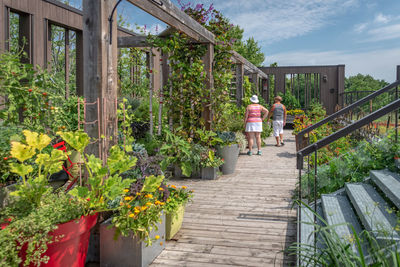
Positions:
{"x": 242, "y": 219}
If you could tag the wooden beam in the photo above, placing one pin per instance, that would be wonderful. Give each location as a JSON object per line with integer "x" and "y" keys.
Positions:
{"x": 100, "y": 75}
{"x": 254, "y": 80}
{"x": 252, "y": 68}
{"x": 167, "y": 12}
{"x": 398, "y": 73}
{"x": 208, "y": 62}
{"x": 133, "y": 41}
{"x": 239, "y": 84}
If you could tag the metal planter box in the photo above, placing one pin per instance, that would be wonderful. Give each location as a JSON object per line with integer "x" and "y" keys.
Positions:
{"x": 129, "y": 251}
{"x": 173, "y": 222}
{"x": 230, "y": 155}
{"x": 209, "y": 173}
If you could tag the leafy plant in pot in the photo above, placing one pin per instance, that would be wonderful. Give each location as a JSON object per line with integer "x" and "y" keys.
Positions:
{"x": 50, "y": 227}
{"x": 175, "y": 208}
{"x": 229, "y": 151}
{"x": 177, "y": 151}
{"x": 135, "y": 234}
{"x": 210, "y": 165}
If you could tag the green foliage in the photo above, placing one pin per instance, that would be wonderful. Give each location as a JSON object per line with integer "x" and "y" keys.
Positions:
{"x": 228, "y": 138}
{"x": 337, "y": 250}
{"x": 178, "y": 197}
{"x": 251, "y": 50}
{"x": 289, "y": 100}
{"x": 362, "y": 82}
{"x": 211, "y": 160}
{"x": 176, "y": 151}
{"x": 354, "y": 165}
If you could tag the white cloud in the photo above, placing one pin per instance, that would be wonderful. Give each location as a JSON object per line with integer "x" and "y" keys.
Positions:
{"x": 271, "y": 21}
{"x": 380, "y": 18}
{"x": 381, "y": 64}
{"x": 359, "y": 28}
{"x": 384, "y": 33}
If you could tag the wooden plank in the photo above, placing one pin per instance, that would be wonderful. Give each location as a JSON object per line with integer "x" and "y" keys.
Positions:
{"x": 79, "y": 63}
{"x": 133, "y": 41}
{"x": 242, "y": 219}
{"x": 3, "y": 26}
{"x": 173, "y": 16}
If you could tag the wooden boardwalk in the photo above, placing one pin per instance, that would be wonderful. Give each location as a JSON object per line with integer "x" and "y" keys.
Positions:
{"x": 242, "y": 219}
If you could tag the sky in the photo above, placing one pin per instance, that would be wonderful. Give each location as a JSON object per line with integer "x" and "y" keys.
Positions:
{"x": 364, "y": 35}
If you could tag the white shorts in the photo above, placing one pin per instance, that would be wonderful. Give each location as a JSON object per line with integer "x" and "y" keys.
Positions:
{"x": 254, "y": 127}
{"x": 278, "y": 127}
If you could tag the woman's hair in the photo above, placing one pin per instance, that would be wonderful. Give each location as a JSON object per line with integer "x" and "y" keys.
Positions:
{"x": 278, "y": 98}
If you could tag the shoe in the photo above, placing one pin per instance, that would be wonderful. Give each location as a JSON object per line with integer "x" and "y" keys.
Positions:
{"x": 278, "y": 145}
{"x": 282, "y": 143}
{"x": 249, "y": 153}
{"x": 259, "y": 153}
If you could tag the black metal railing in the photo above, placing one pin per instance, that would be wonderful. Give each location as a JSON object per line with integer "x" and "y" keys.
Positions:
{"x": 355, "y": 110}
{"x": 351, "y": 97}
{"x": 393, "y": 106}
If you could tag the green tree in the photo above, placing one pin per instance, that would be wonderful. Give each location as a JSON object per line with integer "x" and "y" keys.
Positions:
{"x": 362, "y": 82}
{"x": 251, "y": 50}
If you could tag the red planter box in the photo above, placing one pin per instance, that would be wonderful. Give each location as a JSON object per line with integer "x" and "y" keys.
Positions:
{"x": 72, "y": 247}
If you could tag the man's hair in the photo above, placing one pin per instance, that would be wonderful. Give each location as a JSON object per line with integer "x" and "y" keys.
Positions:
{"x": 278, "y": 98}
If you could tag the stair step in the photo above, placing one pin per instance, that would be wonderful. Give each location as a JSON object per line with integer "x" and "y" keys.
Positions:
{"x": 389, "y": 183}
{"x": 338, "y": 211}
{"x": 307, "y": 231}
{"x": 373, "y": 211}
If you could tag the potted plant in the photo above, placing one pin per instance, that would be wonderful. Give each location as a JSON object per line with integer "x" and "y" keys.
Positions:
{"x": 49, "y": 227}
{"x": 229, "y": 151}
{"x": 177, "y": 151}
{"x": 210, "y": 166}
{"x": 135, "y": 234}
{"x": 175, "y": 209}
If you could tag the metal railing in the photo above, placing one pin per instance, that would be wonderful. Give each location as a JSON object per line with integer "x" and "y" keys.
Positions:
{"x": 357, "y": 106}
{"x": 350, "y": 97}
{"x": 393, "y": 106}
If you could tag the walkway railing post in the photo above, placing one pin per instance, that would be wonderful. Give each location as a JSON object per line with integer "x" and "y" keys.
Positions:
{"x": 315, "y": 193}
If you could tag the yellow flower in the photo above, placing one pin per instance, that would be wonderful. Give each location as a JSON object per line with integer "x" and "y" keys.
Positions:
{"x": 126, "y": 190}
{"x": 136, "y": 210}
{"x": 161, "y": 189}
{"x": 129, "y": 206}
{"x": 157, "y": 237}
{"x": 149, "y": 204}
{"x": 131, "y": 215}
{"x": 121, "y": 203}
{"x": 173, "y": 186}
{"x": 157, "y": 202}
{"x": 184, "y": 187}
{"x": 128, "y": 198}
{"x": 137, "y": 193}
{"x": 143, "y": 208}
{"x": 168, "y": 200}
{"x": 149, "y": 196}
{"x": 162, "y": 203}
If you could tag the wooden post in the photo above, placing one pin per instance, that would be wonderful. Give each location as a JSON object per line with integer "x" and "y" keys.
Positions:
{"x": 265, "y": 90}
{"x": 149, "y": 64}
{"x": 164, "y": 86}
{"x": 100, "y": 73}
{"x": 254, "y": 79}
{"x": 208, "y": 63}
{"x": 67, "y": 70}
{"x": 398, "y": 73}
{"x": 79, "y": 63}
{"x": 239, "y": 84}
{"x": 340, "y": 84}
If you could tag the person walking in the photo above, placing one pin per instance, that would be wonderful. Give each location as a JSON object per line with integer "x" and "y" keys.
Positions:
{"x": 278, "y": 120}
{"x": 253, "y": 123}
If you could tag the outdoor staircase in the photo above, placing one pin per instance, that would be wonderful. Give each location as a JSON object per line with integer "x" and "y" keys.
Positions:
{"x": 370, "y": 206}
